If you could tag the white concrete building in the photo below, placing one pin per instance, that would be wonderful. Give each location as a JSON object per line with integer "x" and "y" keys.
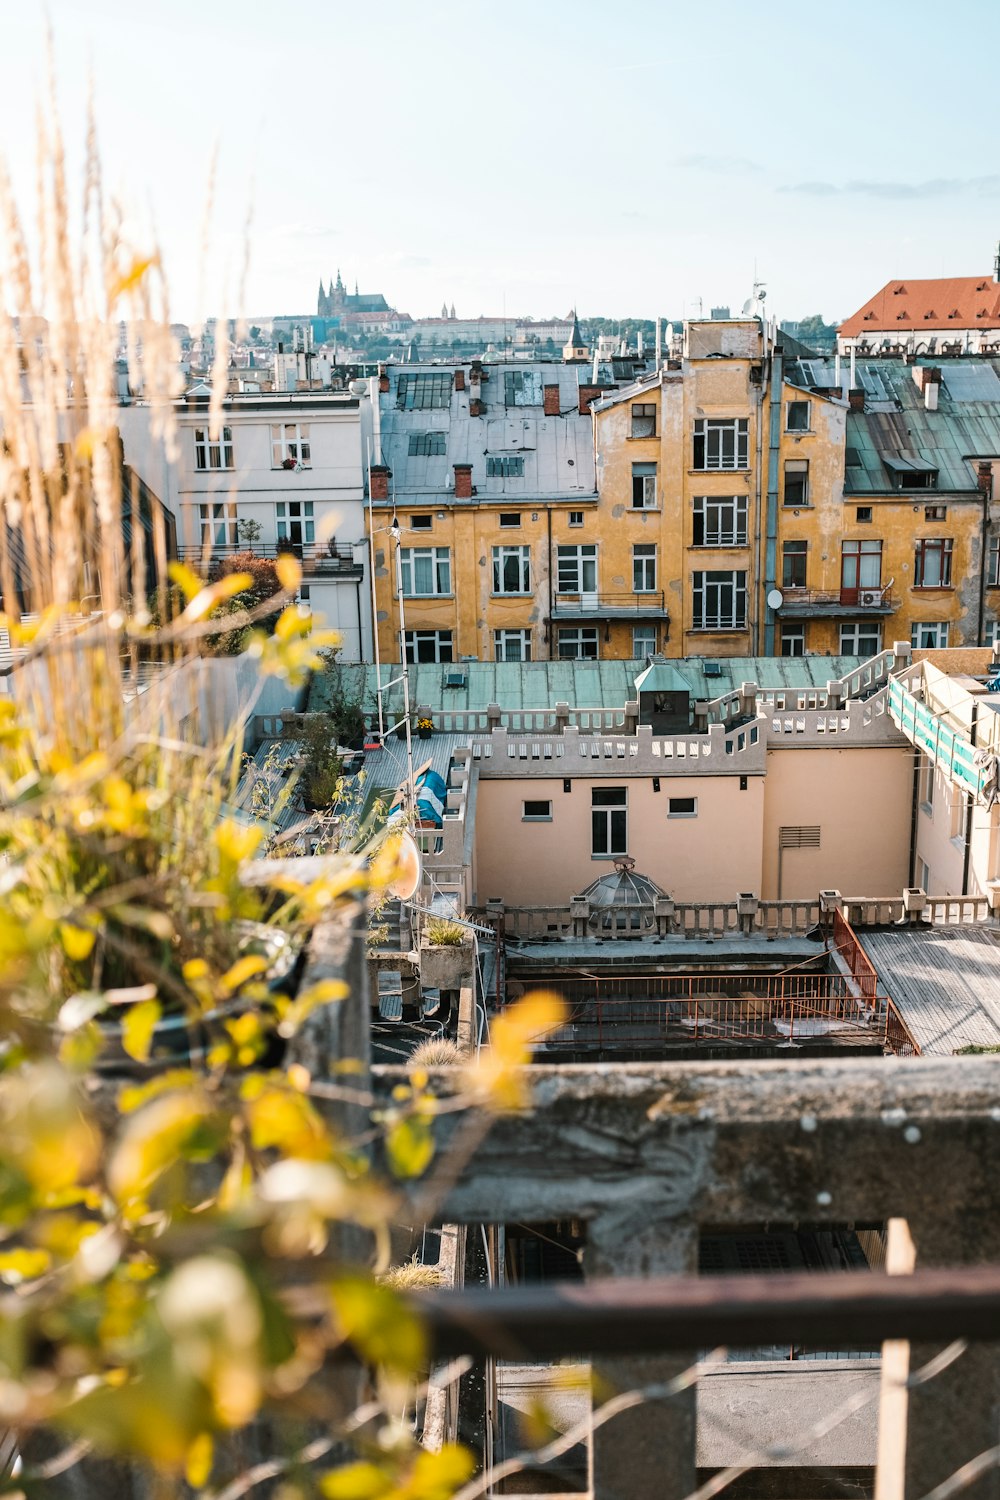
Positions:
{"x": 292, "y": 465}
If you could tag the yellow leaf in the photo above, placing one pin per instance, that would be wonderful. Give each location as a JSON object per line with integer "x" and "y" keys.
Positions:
{"x": 302, "y": 1007}
{"x": 436, "y": 1476}
{"x": 237, "y": 841}
{"x": 497, "y": 1073}
{"x": 23, "y": 1265}
{"x": 154, "y": 1139}
{"x": 289, "y": 571}
{"x": 361, "y": 1481}
{"x": 379, "y": 1324}
{"x": 214, "y": 594}
{"x": 138, "y": 1026}
{"x": 199, "y": 1461}
{"x": 409, "y": 1146}
{"x": 131, "y": 278}
{"x": 78, "y": 942}
{"x": 242, "y": 970}
{"x": 186, "y": 579}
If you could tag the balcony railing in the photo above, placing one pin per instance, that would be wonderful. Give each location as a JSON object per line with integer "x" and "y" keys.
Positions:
{"x": 624, "y": 606}
{"x": 856, "y": 601}
{"x": 328, "y": 560}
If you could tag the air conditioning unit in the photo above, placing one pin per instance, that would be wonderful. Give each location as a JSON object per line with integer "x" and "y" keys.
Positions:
{"x": 870, "y": 596}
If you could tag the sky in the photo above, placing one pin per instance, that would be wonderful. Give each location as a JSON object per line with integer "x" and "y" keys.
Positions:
{"x": 528, "y": 156}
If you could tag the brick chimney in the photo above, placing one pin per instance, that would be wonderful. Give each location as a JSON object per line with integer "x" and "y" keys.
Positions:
{"x": 588, "y": 393}
{"x": 383, "y": 382}
{"x": 477, "y": 408}
{"x": 379, "y": 483}
{"x": 856, "y": 398}
{"x": 550, "y": 400}
{"x": 984, "y": 479}
{"x": 476, "y": 371}
{"x": 460, "y": 380}
{"x": 463, "y": 481}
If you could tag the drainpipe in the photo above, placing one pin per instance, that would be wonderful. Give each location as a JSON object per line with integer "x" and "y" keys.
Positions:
{"x": 552, "y": 628}
{"x": 771, "y": 545}
{"x": 985, "y": 479}
{"x": 966, "y": 863}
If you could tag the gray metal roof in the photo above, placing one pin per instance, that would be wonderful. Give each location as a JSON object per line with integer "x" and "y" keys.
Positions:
{"x": 945, "y": 982}
{"x": 557, "y": 452}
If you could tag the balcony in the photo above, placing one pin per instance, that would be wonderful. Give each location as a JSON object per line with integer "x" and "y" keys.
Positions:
{"x": 333, "y": 560}
{"x": 633, "y": 606}
{"x": 802, "y": 604}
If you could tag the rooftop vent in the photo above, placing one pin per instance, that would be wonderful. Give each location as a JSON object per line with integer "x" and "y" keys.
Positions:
{"x": 455, "y": 680}
{"x": 712, "y": 669}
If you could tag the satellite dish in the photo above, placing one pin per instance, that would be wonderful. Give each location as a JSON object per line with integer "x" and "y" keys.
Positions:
{"x": 775, "y": 599}
{"x": 408, "y": 867}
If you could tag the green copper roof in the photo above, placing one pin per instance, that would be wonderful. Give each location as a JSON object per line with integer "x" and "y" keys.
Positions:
{"x": 661, "y": 677}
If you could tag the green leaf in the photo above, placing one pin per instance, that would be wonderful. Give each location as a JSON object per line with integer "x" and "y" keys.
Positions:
{"x": 138, "y": 1026}
{"x": 409, "y": 1146}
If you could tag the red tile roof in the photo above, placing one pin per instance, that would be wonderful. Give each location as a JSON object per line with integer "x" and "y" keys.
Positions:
{"x": 949, "y": 302}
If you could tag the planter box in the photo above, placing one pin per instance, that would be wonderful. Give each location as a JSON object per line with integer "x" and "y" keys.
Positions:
{"x": 448, "y": 967}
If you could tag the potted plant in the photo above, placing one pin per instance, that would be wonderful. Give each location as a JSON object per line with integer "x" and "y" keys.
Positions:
{"x": 425, "y": 728}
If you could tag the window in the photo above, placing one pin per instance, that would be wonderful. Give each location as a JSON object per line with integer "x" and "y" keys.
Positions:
{"x": 923, "y": 875}
{"x": 643, "y": 486}
{"x": 536, "y": 812}
{"x": 682, "y": 807}
{"x": 609, "y": 820}
{"x": 793, "y": 639}
{"x": 860, "y": 565}
{"x": 293, "y": 522}
{"x": 427, "y": 444}
{"x": 576, "y": 569}
{"x": 644, "y": 568}
{"x": 578, "y": 644}
{"x": 576, "y": 518}
{"x": 863, "y": 514}
{"x": 643, "y": 419}
{"x": 935, "y": 512}
{"x": 907, "y": 479}
{"x": 218, "y": 525}
{"x": 721, "y": 443}
{"x": 512, "y": 645}
{"x": 505, "y": 466}
{"x": 796, "y": 482}
{"x": 289, "y": 445}
{"x": 927, "y": 783}
{"x": 793, "y": 565}
{"x": 421, "y": 523}
{"x": 932, "y": 564}
{"x": 720, "y": 520}
{"x": 426, "y": 570}
{"x": 797, "y": 416}
{"x": 720, "y": 601}
{"x": 861, "y": 638}
{"x": 512, "y": 570}
{"x": 643, "y": 641}
{"x": 931, "y": 635}
{"x": 510, "y": 518}
{"x": 993, "y": 564}
{"x": 522, "y": 387}
{"x": 213, "y": 455}
{"x": 424, "y": 392}
{"x": 993, "y": 634}
{"x": 428, "y": 646}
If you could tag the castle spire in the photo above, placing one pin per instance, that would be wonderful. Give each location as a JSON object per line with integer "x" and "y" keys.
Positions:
{"x": 340, "y": 285}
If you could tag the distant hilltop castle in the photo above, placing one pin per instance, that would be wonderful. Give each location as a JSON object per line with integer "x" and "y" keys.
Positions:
{"x": 338, "y": 300}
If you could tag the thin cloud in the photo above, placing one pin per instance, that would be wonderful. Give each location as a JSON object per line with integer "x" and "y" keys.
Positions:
{"x": 720, "y": 164}
{"x": 933, "y": 187}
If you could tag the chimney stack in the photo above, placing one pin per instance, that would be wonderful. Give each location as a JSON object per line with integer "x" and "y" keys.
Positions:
{"x": 550, "y": 400}
{"x": 856, "y": 398}
{"x": 463, "y": 481}
{"x": 588, "y": 393}
{"x": 379, "y": 481}
{"x": 460, "y": 380}
{"x": 383, "y": 381}
{"x": 984, "y": 479}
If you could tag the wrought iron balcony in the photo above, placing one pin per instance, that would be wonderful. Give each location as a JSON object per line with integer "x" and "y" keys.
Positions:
{"x": 649, "y": 605}
{"x": 804, "y": 603}
{"x": 330, "y": 560}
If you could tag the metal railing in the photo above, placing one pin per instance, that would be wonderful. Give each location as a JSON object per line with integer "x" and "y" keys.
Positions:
{"x": 328, "y": 558}
{"x": 579, "y": 603}
{"x": 860, "y": 600}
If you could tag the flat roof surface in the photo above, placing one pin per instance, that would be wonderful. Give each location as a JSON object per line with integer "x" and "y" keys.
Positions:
{"x": 945, "y": 982}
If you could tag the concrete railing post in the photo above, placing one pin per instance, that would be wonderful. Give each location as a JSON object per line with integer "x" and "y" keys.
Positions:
{"x": 562, "y": 718}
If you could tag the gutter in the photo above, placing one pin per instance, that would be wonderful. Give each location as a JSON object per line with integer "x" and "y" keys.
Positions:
{"x": 771, "y": 542}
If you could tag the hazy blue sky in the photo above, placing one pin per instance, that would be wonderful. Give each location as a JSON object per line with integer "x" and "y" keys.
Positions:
{"x": 525, "y": 156}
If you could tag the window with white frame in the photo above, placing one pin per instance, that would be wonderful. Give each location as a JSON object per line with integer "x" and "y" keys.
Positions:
{"x": 512, "y": 645}
{"x": 510, "y": 520}
{"x": 929, "y": 635}
{"x": 993, "y": 565}
{"x": 720, "y": 521}
{"x": 721, "y": 443}
{"x": 643, "y": 641}
{"x": 861, "y": 638}
{"x": 644, "y": 567}
{"x": 426, "y": 571}
{"x": 212, "y": 453}
{"x": 294, "y": 522}
{"x": 505, "y": 466}
{"x": 536, "y": 810}
{"x": 793, "y": 639}
{"x": 522, "y": 387}
{"x": 422, "y": 523}
{"x": 290, "y": 445}
{"x": 643, "y": 419}
{"x": 796, "y": 489}
{"x": 576, "y": 518}
{"x": 720, "y": 601}
{"x": 682, "y": 807}
{"x": 992, "y": 636}
{"x": 428, "y": 646}
{"x": 576, "y": 569}
{"x": 577, "y": 643}
{"x": 427, "y": 444}
{"x": 643, "y": 486}
{"x": 219, "y": 524}
{"x": 609, "y": 820}
{"x": 512, "y": 570}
